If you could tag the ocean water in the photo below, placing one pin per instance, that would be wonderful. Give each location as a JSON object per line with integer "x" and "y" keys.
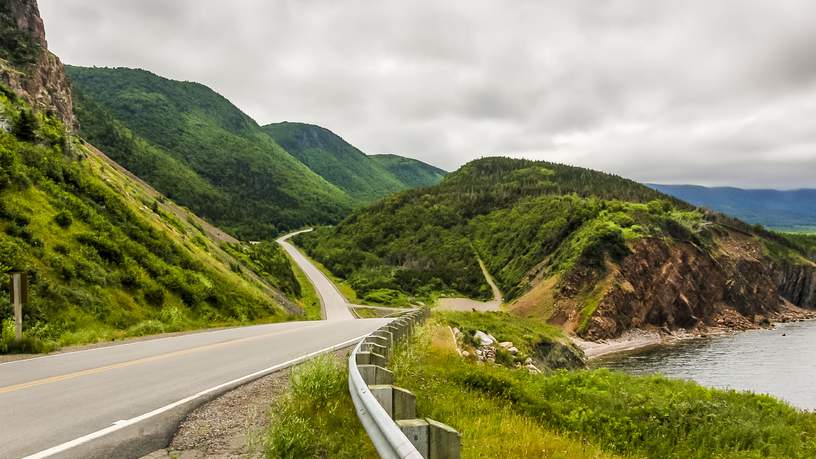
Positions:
{"x": 780, "y": 362}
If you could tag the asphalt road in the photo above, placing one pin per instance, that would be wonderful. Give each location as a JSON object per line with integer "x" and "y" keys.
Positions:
{"x": 335, "y": 306}
{"x": 51, "y": 400}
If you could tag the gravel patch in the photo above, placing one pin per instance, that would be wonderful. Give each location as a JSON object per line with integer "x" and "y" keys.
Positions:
{"x": 233, "y": 425}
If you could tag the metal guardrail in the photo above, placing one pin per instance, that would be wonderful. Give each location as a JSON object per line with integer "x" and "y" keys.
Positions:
{"x": 388, "y": 438}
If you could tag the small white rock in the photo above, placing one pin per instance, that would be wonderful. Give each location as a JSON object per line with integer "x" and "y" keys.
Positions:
{"x": 483, "y": 338}
{"x": 506, "y": 344}
{"x": 513, "y": 350}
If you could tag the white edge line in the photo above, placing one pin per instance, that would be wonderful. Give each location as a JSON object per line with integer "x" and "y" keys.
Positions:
{"x": 122, "y": 424}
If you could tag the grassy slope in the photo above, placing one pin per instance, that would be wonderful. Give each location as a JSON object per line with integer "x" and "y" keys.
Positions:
{"x": 510, "y": 413}
{"x": 199, "y": 149}
{"x": 337, "y": 161}
{"x": 411, "y": 172}
{"x": 106, "y": 257}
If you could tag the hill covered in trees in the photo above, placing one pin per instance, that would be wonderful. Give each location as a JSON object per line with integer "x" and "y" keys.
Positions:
{"x": 572, "y": 245}
{"x": 195, "y": 146}
{"x": 337, "y": 161}
{"x": 413, "y": 173}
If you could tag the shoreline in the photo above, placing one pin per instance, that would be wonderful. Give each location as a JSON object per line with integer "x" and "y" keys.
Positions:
{"x": 640, "y": 338}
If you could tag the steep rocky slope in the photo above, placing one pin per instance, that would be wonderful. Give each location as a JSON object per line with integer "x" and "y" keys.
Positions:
{"x": 26, "y": 65}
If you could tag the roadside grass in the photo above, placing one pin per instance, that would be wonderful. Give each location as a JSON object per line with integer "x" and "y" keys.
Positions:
{"x": 512, "y": 413}
{"x": 490, "y": 427}
{"x": 316, "y": 417}
{"x": 309, "y": 300}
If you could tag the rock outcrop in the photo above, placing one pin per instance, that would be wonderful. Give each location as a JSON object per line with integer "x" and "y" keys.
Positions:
{"x": 671, "y": 285}
{"x": 39, "y": 77}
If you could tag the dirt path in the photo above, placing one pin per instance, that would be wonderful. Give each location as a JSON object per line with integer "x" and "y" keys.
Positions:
{"x": 467, "y": 304}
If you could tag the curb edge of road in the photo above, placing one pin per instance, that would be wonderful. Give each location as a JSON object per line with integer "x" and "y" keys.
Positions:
{"x": 139, "y": 436}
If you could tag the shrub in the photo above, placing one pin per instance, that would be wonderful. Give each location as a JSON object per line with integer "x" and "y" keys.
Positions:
{"x": 64, "y": 219}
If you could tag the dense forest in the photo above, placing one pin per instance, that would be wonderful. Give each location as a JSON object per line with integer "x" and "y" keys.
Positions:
{"x": 195, "y": 146}
{"x": 511, "y": 213}
{"x": 106, "y": 260}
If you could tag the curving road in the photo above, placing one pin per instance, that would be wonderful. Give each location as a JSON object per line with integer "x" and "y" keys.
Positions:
{"x": 125, "y": 400}
{"x": 335, "y": 306}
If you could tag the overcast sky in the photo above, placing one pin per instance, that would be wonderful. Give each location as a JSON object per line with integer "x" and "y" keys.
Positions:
{"x": 709, "y": 92}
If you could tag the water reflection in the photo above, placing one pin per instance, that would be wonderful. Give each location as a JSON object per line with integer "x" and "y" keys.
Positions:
{"x": 780, "y": 362}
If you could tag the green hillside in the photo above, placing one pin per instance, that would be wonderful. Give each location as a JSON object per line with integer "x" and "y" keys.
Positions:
{"x": 195, "y": 146}
{"x": 413, "y": 173}
{"x": 512, "y": 213}
{"x": 337, "y": 161}
{"x": 106, "y": 256}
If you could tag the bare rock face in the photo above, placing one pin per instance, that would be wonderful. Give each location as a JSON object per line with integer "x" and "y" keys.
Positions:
{"x": 673, "y": 286}
{"x": 40, "y": 80}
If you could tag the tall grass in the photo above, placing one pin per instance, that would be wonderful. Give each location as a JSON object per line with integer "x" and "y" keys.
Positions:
{"x": 316, "y": 418}
{"x": 651, "y": 416}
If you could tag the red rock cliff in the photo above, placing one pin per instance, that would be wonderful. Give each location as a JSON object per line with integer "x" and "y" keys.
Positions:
{"x": 38, "y": 76}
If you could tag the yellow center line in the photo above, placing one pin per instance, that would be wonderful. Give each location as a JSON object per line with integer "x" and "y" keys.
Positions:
{"x": 130, "y": 363}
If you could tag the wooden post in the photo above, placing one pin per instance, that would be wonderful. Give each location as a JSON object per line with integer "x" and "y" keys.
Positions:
{"x": 19, "y": 294}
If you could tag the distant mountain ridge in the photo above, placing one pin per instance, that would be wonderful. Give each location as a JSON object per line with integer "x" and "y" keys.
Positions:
{"x": 412, "y": 172}
{"x": 365, "y": 178}
{"x": 336, "y": 160}
{"x": 793, "y": 210}
{"x": 198, "y": 148}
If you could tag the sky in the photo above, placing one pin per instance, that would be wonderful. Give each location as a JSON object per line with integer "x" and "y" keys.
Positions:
{"x": 680, "y": 91}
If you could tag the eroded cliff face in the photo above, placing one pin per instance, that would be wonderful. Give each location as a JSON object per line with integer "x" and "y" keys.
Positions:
{"x": 670, "y": 285}
{"x": 39, "y": 76}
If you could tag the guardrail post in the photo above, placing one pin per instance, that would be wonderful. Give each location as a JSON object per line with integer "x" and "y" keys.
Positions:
{"x": 417, "y": 432}
{"x": 372, "y": 374}
{"x": 399, "y": 403}
{"x": 370, "y": 358}
{"x": 444, "y": 441}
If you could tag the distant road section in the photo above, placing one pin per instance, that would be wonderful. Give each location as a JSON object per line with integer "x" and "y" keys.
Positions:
{"x": 335, "y": 306}
{"x": 466, "y": 304}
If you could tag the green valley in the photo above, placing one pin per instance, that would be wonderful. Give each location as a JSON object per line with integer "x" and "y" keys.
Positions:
{"x": 196, "y": 147}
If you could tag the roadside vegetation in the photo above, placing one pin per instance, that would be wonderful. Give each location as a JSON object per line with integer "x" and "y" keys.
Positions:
{"x": 504, "y": 412}
{"x": 104, "y": 259}
{"x": 316, "y": 417}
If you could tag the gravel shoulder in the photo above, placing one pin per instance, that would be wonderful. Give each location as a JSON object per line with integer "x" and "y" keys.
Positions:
{"x": 233, "y": 425}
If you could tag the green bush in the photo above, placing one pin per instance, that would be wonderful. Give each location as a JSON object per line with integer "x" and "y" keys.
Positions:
{"x": 64, "y": 219}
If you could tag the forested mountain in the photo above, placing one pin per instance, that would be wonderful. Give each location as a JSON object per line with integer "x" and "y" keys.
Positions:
{"x": 195, "y": 146}
{"x": 793, "y": 210}
{"x": 336, "y": 160}
{"x": 592, "y": 251}
{"x": 106, "y": 256}
{"x": 413, "y": 173}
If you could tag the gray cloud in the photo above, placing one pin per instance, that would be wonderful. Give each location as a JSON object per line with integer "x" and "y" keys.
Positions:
{"x": 681, "y": 92}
